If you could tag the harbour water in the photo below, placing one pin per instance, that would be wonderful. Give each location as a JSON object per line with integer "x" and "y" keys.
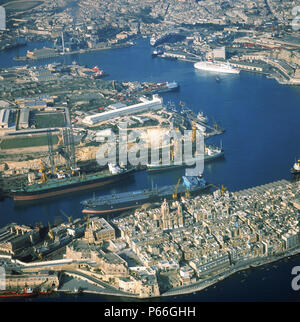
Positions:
{"x": 261, "y": 142}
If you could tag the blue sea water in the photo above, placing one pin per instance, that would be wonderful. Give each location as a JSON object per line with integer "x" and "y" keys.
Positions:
{"x": 261, "y": 142}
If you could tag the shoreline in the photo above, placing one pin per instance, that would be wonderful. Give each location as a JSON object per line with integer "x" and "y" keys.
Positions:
{"x": 224, "y": 275}
{"x": 131, "y": 43}
{"x": 82, "y": 51}
{"x": 198, "y": 286}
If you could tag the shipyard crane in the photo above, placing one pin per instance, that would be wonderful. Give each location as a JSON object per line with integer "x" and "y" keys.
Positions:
{"x": 176, "y": 189}
{"x": 182, "y": 104}
{"x": 64, "y": 214}
{"x": 187, "y": 193}
{"x": 174, "y": 148}
{"x": 50, "y": 233}
{"x": 222, "y": 189}
{"x": 45, "y": 165}
{"x": 67, "y": 149}
{"x": 42, "y": 170}
{"x": 50, "y": 153}
{"x": 88, "y": 222}
{"x": 60, "y": 140}
{"x": 194, "y": 131}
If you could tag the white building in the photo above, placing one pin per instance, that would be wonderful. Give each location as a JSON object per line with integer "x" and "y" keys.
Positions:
{"x": 4, "y": 118}
{"x": 146, "y": 105}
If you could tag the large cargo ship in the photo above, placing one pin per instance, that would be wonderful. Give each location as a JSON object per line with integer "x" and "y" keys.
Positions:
{"x": 130, "y": 200}
{"x": 210, "y": 153}
{"x": 64, "y": 184}
{"x": 216, "y": 67}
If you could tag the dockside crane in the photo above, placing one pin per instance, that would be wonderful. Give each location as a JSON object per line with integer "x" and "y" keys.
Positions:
{"x": 88, "y": 222}
{"x": 222, "y": 189}
{"x": 42, "y": 170}
{"x": 48, "y": 167}
{"x": 194, "y": 132}
{"x": 67, "y": 149}
{"x": 50, "y": 152}
{"x": 64, "y": 214}
{"x": 176, "y": 189}
{"x": 187, "y": 193}
{"x": 50, "y": 233}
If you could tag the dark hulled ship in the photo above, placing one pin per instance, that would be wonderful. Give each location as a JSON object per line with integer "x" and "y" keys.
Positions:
{"x": 67, "y": 184}
{"x": 129, "y": 200}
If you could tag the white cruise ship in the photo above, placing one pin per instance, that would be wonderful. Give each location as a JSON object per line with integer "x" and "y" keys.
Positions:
{"x": 217, "y": 67}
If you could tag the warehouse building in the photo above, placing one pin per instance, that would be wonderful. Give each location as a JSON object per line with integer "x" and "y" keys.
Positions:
{"x": 36, "y": 102}
{"x": 146, "y": 105}
{"x": 4, "y": 118}
{"x": 24, "y": 118}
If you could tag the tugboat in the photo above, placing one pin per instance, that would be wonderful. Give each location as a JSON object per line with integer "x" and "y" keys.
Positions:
{"x": 296, "y": 168}
{"x": 98, "y": 73}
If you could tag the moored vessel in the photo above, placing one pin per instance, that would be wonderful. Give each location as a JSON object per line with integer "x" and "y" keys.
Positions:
{"x": 165, "y": 87}
{"x": 210, "y": 153}
{"x": 201, "y": 117}
{"x": 130, "y": 200}
{"x": 98, "y": 73}
{"x": 296, "y": 168}
{"x": 216, "y": 67}
{"x": 64, "y": 184}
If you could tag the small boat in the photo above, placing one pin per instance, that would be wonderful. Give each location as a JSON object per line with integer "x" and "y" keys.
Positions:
{"x": 296, "y": 168}
{"x": 218, "y": 79}
{"x": 157, "y": 52}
